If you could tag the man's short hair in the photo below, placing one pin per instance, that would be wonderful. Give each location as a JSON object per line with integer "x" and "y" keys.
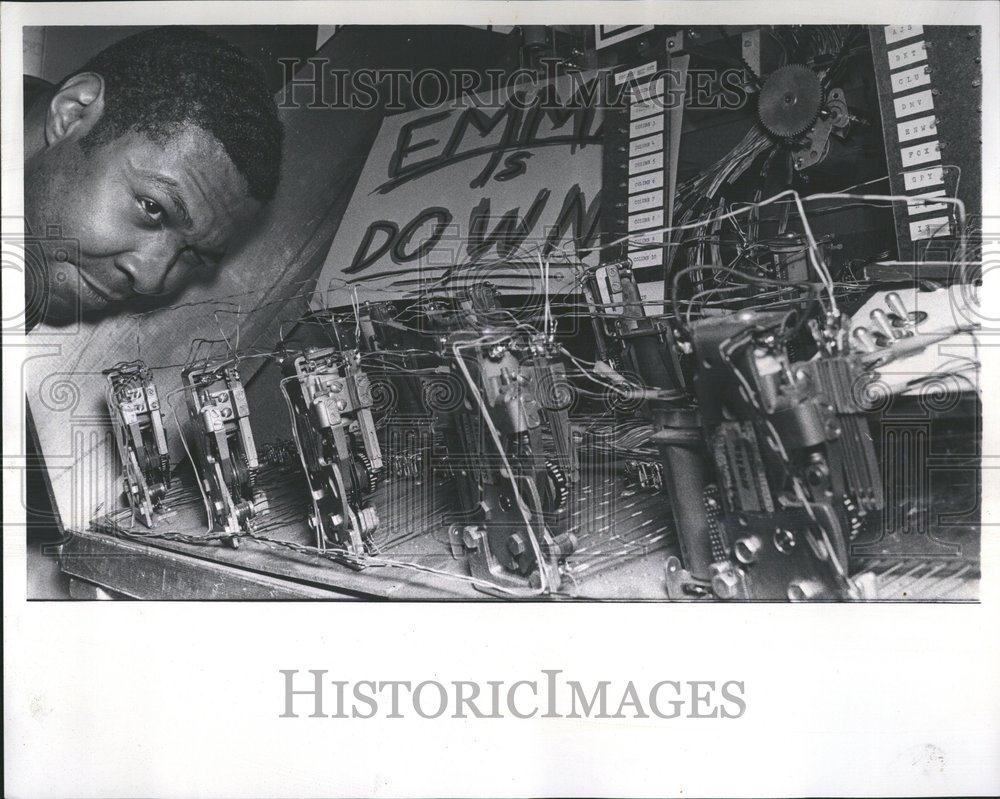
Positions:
{"x": 160, "y": 79}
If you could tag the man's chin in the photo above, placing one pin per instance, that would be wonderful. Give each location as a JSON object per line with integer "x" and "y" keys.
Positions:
{"x": 61, "y": 311}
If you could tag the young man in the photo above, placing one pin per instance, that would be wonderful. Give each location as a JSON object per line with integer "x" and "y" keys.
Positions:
{"x": 150, "y": 158}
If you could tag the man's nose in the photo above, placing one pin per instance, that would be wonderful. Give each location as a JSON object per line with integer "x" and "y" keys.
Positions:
{"x": 147, "y": 268}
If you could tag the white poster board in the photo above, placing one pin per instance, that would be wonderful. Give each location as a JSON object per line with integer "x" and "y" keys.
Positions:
{"x": 480, "y": 188}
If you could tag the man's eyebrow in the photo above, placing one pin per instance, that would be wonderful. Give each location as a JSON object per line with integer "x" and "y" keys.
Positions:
{"x": 172, "y": 189}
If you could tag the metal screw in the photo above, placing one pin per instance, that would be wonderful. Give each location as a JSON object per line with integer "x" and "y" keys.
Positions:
{"x": 724, "y": 585}
{"x": 784, "y": 540}
{"x": 881, "y": 321}
{"x": 895, "y": 303}
{"x": 864, "y": 339}
{"x": 747, "y": 549}
{"x": 802, "y": 590}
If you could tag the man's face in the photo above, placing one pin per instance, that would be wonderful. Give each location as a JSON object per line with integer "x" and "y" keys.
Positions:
{"x": 148, "y": 217}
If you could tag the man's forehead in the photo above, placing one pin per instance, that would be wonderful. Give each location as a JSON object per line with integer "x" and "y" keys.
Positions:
{"x": 186, "y": 147}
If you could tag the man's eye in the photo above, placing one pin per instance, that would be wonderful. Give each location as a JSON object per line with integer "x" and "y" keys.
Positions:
{"x": 152, "y": 209}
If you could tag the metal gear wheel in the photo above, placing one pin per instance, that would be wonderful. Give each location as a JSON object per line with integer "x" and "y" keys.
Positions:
{"x": 558, "y": 485}
{"x": 790, "y": 101}
{"x": 365, "y": 475}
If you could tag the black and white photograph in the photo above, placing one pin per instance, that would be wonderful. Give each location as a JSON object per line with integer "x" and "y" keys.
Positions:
{"x": 684, "y": 316}
{"x": 548, "y": 312}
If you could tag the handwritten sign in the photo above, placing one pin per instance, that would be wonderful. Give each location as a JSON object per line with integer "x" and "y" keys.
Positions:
{"x": 477, "y": 190}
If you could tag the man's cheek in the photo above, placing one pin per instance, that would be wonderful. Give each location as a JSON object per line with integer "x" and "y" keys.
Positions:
{"x": 183, "y": 273}
{"x": 107, "y": 227}
{"x": 63, "y": 295}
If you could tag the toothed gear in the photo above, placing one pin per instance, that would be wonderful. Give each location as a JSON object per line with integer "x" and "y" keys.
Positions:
{"x": 558, "y": 483}
{"x": 251, "y": 476}
{"x": 790, "y": 101}
{"x": 367, "y": 480}
{"x": 239, "y": 486}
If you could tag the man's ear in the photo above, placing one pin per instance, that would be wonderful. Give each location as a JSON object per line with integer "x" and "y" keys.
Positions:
{"x": 75, "y": 108}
